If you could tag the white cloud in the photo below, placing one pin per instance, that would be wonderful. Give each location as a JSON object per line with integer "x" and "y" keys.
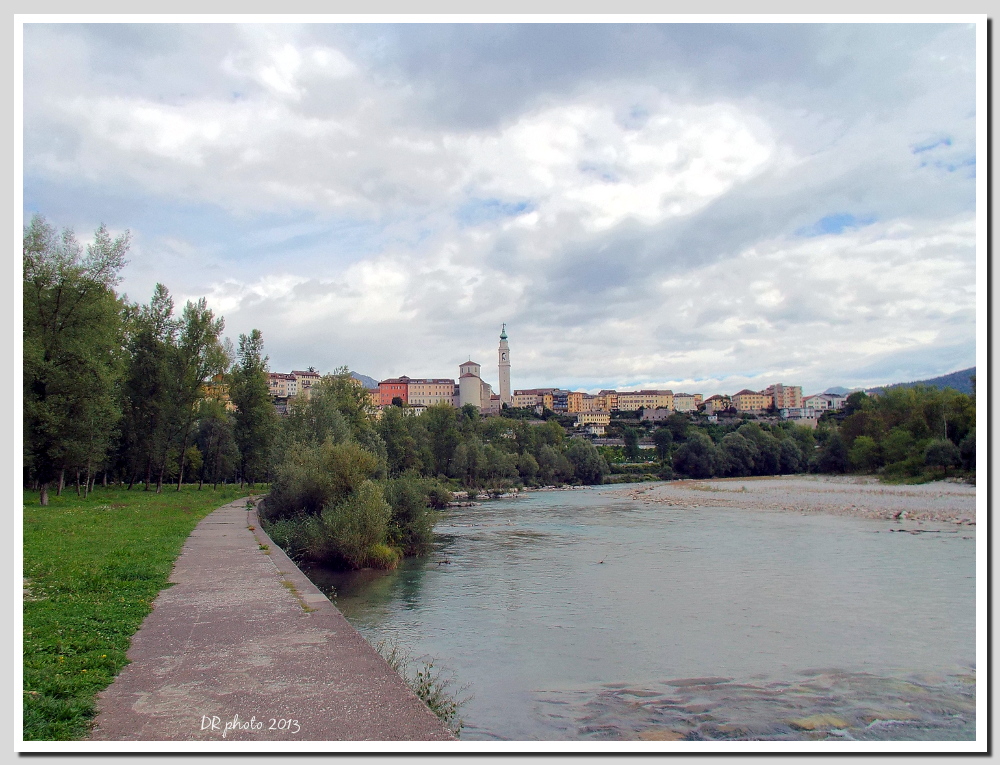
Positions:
{"x": 629, "y": 229}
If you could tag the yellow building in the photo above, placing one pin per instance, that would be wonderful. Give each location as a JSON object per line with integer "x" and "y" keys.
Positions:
{"x": 427, "y": 392}
{"x": 593, "y": 418}
{"x": 630, "y": 401}
{"x": 751, "y": 401}
{"x": 218, "y": 389}
{"x": 785, "y": 396}
{"x": 686, "y": 402}
{"x": 717, "y": 403}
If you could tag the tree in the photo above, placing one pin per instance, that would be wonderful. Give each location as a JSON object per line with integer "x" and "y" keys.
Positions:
{"x": 589, "y": 466}
{"x": 832, "y": 456}
{"x": 739, "y": 455}
{"x": 942, "y": 453}
{"x": 663, "y": 438}
{"x": 151, "y": 332}
{"x": 697, "y": 457}
{"x": 790, "y": 456}
{"x": 198, "y": 356}
{"x": 864, "y": 454}
{"x": 256, "y": 419}
{"x": 72, "y": 352}
{"x": 631, "y": 439}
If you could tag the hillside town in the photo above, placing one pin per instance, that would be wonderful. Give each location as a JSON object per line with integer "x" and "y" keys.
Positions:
{"x": 593, "y": 411}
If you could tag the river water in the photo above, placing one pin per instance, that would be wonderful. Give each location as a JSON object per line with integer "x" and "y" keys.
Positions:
{"x": 574, "y": 615}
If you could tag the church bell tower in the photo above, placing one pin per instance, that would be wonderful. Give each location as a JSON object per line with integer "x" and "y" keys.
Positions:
{"x": 504, "y": 353}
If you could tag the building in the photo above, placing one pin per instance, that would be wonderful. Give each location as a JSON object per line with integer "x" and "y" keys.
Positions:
{"x": 431, "y": 391}
{"x": 281, "y": 385}
{"x": 687, "y": 402}
{"x": 394, "y": 387}
{"x": 656, "y": 415}
{"x": 472, "y": 389}
{"x": 218, "y": 389}
{"x": 717, "y": 403}
{"x": 503, "y": 353}
{"x": 304, "y": 381}
{"x": 824, "y": 401}
{"x": 630, "y": 401}
{"x": 593, "y": 422}
{"x": 784, "y": 396}
{"x": 751, "y": 401}
{"x": 607, "y": 400}
{"x": 801, "y": 415}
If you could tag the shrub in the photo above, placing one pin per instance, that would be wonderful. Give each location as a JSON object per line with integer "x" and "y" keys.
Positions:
{"x": 311, "y": 478}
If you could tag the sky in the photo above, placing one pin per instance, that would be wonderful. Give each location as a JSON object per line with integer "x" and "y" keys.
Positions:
{"x": 700, "y": 207}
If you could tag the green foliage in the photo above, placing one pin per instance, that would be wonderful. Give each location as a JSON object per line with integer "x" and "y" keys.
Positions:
{"x": 256, "y": 421}
{"x": 92, "y": 568}
{"x": 864, "y": 454}
{"x": 697, "y": 457}
{"x": 413, "y": 516}
{"x": 942, "y": 453}
{"x": 589, "y": 466}
{"x": 352, "y": 533}
{"x": 72, "y": 349}
{"x": 311, "y": 477}
{"x": 663, "y": 439}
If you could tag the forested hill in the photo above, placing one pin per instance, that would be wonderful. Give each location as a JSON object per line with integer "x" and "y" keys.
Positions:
{"x": 960, "y": 381}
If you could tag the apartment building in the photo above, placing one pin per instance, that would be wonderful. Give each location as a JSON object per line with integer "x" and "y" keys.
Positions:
{"x": 630, "y": 401}
{"x": 305, "y": 380}
{"x": 430, "y": 391}
{"x": 393, "y": 387}
{"x": 784, "y": 396}
{"x": 281, "y": 385}
{"x": 687, "y": 402}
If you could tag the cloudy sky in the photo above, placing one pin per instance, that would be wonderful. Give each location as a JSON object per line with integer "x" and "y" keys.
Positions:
{"x": 703, "y": 207}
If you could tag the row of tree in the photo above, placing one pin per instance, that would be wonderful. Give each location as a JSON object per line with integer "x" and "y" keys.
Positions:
{"x": 903, "y": 433}
{"x": 117, "y": 389}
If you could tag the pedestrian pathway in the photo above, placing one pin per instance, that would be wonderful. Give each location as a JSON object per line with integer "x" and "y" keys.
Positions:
{"x": 243, "y": 647}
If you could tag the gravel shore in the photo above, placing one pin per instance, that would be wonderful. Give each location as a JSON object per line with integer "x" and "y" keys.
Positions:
{"x": 865, "y": 497}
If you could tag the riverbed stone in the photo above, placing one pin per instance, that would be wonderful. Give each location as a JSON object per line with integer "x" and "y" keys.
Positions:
{"x": 817, "y": 722}
{"x": 662, "y": 734}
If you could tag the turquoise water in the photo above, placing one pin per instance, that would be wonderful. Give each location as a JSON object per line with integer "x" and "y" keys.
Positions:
{"x": 581, "y": 614}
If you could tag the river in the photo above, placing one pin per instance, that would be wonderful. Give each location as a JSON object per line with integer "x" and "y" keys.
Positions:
{"x": 575, "y": 615}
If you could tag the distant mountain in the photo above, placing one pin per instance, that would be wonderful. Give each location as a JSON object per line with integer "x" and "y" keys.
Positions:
{"x": 838, "y": 390}
{"x": 960, "y": 381}
{"x": 365, "y": 380}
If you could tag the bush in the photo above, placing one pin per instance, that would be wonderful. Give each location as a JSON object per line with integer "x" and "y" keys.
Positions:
{"x": 352, "y": 532}
{"x": 412, "y": 523}
{"x": 311, "y": 478}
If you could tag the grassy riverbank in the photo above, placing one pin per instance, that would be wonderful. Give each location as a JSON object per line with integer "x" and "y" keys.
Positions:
{"x": 92, "y": 568}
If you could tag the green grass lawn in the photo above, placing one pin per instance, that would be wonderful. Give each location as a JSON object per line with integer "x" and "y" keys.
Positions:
{"x": 92, "y": 568}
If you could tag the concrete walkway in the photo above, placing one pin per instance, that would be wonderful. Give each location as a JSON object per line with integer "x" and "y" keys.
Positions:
{"x": 242, "y": 632}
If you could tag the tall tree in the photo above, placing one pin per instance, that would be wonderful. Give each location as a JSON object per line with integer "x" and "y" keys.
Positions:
{"x": 72, "y": 350}
{"x": 198, "y": 356}
{"x": 256, "y": 419}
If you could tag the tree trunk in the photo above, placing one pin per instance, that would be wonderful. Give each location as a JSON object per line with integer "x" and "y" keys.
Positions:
{"x": 43, "y": 497}
{"x": 180, "y": 473}
{"x": 104, "y": 479}
{"x": 62, "y": 482}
